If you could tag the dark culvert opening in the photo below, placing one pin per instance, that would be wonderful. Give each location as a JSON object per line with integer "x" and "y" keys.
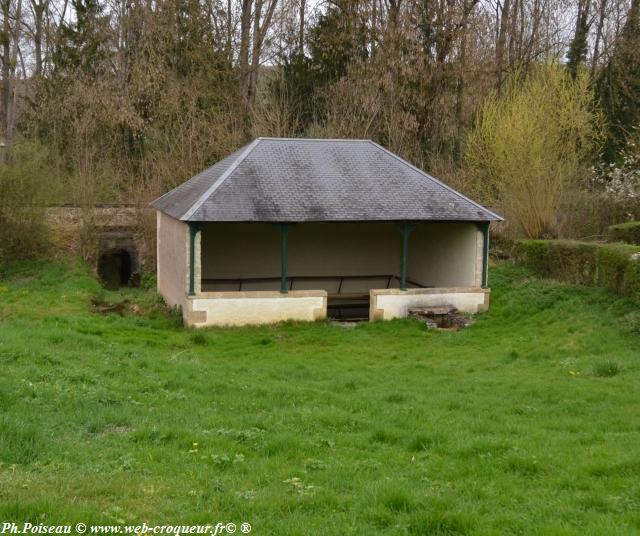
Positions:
{"x": 351, "y": 309}
{"x": 115, "y": 268}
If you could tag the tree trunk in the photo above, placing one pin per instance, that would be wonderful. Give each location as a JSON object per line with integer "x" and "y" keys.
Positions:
{"x": 578, "y": 48}
{"x": 462, "y": 62}
{"x": 38, "y": 9}
{"x": 513, "y": 32}
{"x": 243, "y": 53}
{"x": 596, "y": 46}
{"x": 256, "y": 50}
{"x": 303, "y": 5}
{"x": 501, "y": 41}
{"x": 229, "y": 34}
{"x": 5, "y": 6}
{"x": 259, "y": 34}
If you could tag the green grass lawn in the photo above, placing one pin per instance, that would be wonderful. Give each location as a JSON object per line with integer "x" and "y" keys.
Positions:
{"x": 528, "y": 422}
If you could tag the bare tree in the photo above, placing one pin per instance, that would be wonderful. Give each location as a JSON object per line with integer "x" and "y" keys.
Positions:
{"x": 502, "y": 15}
{"x": 11, "y": 12}
{"x": 36, "y": 31}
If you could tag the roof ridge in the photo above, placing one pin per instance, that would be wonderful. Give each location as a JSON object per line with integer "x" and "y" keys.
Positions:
{"x": 415, "y": 168}
{"x": 157, "y": 201}
{"x": 313, "y": 139}
{"x": 209, "y": 191}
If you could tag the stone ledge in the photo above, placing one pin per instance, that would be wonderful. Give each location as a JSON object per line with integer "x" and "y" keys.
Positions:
{"x": 234, "y": 294}
{"x": 386, "y": 304}
{"x": 420, "y": 291}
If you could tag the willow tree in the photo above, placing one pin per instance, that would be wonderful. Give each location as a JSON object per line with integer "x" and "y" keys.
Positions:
{"x": 531, "y": 144}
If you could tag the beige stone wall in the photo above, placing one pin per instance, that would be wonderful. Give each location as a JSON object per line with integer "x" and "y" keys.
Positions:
{"x": 479, "y": 257}
{"x": 314, "y": 249}
{"x": 386, "y": 304}
{"x": 257, "y": 307}
{"x": 173, "y": 258}
{"x": 440, "y": 254}
{"x": 445, "y": 255}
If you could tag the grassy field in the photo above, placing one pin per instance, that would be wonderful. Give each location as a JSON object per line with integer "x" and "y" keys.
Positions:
{"x": 528, "y": 422}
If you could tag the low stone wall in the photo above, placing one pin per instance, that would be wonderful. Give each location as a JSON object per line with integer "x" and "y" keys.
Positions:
{"x": 256, "y": 307}
{"x": 386, "y": 304}
{"x": 101, "y": 216}
{"x": 101, "y": 230}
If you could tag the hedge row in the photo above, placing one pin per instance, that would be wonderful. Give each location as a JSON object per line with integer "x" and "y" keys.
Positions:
{"x": 559, "y": 259}
{"x": 625, "y": 232}
{"x": 613, "y": 266}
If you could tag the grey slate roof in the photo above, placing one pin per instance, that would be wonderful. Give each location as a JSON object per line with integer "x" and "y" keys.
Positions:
{"x": 296, "y": 180}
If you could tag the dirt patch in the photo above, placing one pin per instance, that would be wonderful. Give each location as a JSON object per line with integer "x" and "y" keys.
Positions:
{"x": 98, "y": 305}
{"x": 444, "y": 318}
{"x": 344, "y": 324}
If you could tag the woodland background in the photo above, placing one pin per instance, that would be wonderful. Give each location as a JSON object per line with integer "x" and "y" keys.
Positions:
{"x": 530, "y": 106}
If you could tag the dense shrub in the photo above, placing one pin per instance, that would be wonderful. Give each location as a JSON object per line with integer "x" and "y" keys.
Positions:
{"x": 618, "y": 184}
{"x": 632, "y": 277}
{"x": 613, "y": 266}
{"x": 25, "y": 190}
{"x": 613, "y": 262}
{"x": 559, "y": 259}
{"x": 501, "y": 246}
{"x": 530, "y": 144}
{"x": 619, "y": 269}
{"x": 625, "y": 232}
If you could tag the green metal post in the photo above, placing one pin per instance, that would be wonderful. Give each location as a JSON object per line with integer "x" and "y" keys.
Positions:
{"x": 405, "y": 229}
{"x": 284, "y": 233}
{"x": 194, "y": 228}
{"x": 485, "y": 254}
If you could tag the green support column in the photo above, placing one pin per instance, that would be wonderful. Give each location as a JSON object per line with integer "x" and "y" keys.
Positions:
{"x": 284, "y": 235}
{"x": 484, "y": 227}
{"x": 405, "y": 229}
{"x": 194, "y": 229}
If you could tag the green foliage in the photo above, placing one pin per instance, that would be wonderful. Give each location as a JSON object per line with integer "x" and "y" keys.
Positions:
{"x": 632, "y": 322}
{"x": 199, "y": 339}
{"x": 299, "y": 83}
{"x": 618, "y": 86}
{"x": 26, "y": 187}
{"x": 625, "y": 232}
{"x": 613, "y": 266}
{"x": 619, "y": 269}
{"x": 559, "y": 259}
{"x": 83, "y": 45}
{"x": 335, "y": 42}
{"x": 577, "y": 53}
{"x": 308, "y": 434}
{"x": 606, "y": 369}
{"x": 135, "y": 97}
{"x": 20, "y": 442}
{"x": 174, "y": 115}
{"x": 530, "y": 144}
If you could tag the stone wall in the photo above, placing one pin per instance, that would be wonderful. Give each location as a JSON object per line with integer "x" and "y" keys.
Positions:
{"x": 386, "y": 304}
{"x": 253, "y": 308}
{"x": 100, "y": 231}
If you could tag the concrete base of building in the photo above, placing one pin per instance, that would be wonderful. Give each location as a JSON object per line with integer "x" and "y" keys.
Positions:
{"x": 386, "y": 304}
{"x": 268, "y": 307}
{"x": 254, "y": 308}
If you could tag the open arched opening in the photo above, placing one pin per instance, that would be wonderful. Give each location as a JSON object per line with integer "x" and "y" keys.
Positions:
{"x": 115, "y": 268}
